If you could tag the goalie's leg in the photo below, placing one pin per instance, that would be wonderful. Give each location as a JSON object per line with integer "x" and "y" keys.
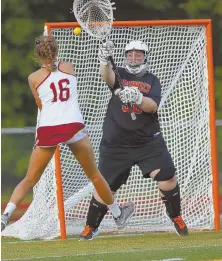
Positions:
{"x": 95, "y": 215}
{"x": 158, "y": 165}
{"x": 82, "y": 150}
{"x": 115, "y": 170}
{"x": 170, "y": 195}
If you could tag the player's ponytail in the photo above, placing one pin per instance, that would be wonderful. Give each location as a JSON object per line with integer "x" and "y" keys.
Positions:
{"x": 46, "y": 51}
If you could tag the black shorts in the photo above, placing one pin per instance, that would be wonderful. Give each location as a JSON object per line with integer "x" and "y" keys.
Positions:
{"x": 115, "y": 163}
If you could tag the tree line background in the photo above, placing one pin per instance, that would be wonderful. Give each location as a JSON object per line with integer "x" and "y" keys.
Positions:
{"x": 23, "y": 21}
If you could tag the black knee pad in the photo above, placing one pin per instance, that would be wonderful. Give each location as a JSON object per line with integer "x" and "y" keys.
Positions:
{"x": 165, "y": 174}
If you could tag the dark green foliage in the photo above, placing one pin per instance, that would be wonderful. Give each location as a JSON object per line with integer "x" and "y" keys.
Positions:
{"x": 23, "y": 21}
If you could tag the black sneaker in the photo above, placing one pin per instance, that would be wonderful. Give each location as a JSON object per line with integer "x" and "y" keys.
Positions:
{"x": 88, "y": 233}
{"x": 180, "y": 226}
{"x": 4, "y": 221}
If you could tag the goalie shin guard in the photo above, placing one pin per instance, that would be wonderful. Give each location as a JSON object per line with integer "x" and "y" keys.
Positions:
{"x": 171, "y": 200}
{"x": 96, "y": 213}
{"x": 172, "y": 203}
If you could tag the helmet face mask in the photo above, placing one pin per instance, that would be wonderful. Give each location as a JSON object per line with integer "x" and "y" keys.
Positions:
{"x": 136, "y": 56}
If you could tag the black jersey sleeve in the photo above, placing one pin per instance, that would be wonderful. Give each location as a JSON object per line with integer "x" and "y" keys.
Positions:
{"x": 155, "y": 92}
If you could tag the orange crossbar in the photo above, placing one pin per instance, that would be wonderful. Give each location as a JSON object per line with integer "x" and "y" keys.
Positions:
{"x": 209, "y": 50}
{"x": 137, "y": 23}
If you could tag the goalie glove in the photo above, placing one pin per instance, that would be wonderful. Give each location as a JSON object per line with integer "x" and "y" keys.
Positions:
{"x": 105, "y": 51}
{"x": 130, "y": 95}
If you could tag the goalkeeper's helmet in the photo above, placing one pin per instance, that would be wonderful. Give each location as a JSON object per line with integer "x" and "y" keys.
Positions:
{"x": 133, "y": 66}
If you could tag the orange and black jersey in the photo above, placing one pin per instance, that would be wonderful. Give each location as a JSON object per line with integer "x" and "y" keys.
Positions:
{"x": 119, "y": 129}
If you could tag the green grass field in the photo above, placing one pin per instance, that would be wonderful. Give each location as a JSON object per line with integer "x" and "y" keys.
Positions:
{"x": 156, "y": 247}
{"x": 162, "y": 246}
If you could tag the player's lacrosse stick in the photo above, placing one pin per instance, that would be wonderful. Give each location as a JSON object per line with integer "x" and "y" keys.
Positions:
{"x": 96, "y": 18}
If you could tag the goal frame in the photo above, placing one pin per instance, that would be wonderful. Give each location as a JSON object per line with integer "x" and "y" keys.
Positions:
{"x": 212, "y": 115}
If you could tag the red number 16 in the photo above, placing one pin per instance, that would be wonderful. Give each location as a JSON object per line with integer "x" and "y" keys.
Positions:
{"x": 64, "y": 93}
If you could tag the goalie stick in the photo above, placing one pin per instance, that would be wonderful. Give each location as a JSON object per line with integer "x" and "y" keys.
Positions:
{"x": 96, "y": 18}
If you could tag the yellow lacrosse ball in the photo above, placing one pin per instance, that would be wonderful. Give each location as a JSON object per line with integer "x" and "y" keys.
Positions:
{"x": 77, "y": 31}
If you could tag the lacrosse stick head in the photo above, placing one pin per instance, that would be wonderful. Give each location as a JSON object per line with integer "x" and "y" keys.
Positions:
{"x": 94, "y": 16}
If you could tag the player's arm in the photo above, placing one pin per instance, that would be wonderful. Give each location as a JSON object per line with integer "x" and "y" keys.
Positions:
{"x": 32, "y": 84}
{"x": 148, "y": 103}
{"x": 106, "y": 71}
{"x": 151, "y": 102}
{"x": 107, "y": 74}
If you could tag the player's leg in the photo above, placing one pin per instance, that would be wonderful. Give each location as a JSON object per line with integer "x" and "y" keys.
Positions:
{"x": 170, "y": 195}
{"x": 82, "y": 150}
{"x": 158, "y": 165}
{"x": 39, "y": 159}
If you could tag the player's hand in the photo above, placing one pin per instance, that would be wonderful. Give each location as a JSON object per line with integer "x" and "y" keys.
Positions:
{"x": 130, "y": 95}
{"x": 105, "y": 51}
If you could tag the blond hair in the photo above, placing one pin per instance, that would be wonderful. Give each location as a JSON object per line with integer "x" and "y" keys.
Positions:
{"x": 46, "y": 49}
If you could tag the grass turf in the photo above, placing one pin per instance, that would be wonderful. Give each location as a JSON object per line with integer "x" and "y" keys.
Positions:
{"x": 163, "y": 246}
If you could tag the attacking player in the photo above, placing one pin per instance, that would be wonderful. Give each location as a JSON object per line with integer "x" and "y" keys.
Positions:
{"x": 55, "y": 90}
{"x": 126, "y": 142}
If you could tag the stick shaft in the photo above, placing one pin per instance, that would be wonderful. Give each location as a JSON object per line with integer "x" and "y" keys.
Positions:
{"x": 133, "y": 116}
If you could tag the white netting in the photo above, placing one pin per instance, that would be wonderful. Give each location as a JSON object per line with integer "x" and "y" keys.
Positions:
{"x": 178, "y": 58}
{"x": 95, "y": 16}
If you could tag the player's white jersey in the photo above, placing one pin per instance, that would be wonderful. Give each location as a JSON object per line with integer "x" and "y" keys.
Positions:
{"x": 58, "y": 94}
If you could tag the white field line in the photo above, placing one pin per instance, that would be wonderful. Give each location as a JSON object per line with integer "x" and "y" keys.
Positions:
{"x": 112, "y": 252}
{"x": 170, "y": 259}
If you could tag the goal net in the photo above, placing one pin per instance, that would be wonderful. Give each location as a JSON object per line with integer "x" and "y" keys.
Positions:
{"x": 178, "y": 57}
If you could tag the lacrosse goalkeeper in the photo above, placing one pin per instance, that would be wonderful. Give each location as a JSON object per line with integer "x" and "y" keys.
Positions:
{"x": 127, "y": 142}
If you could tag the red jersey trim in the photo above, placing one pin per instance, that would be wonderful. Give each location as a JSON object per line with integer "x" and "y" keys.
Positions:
{"x": 43, "y": 80}
{"x": 48, "y": 136}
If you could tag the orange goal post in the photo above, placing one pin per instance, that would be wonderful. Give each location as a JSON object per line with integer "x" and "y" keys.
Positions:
{"x": 181, "y": 56}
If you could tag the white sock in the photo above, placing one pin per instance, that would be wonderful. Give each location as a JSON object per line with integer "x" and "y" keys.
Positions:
{"x": 9, "y": 208}
{"x": 114, "y": 209}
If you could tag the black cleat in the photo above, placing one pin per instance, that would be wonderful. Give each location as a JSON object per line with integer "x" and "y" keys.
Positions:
{"x": 88, "y": 233}
{"x": 4, "y": 221}
{"x": 180, "y": 226}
